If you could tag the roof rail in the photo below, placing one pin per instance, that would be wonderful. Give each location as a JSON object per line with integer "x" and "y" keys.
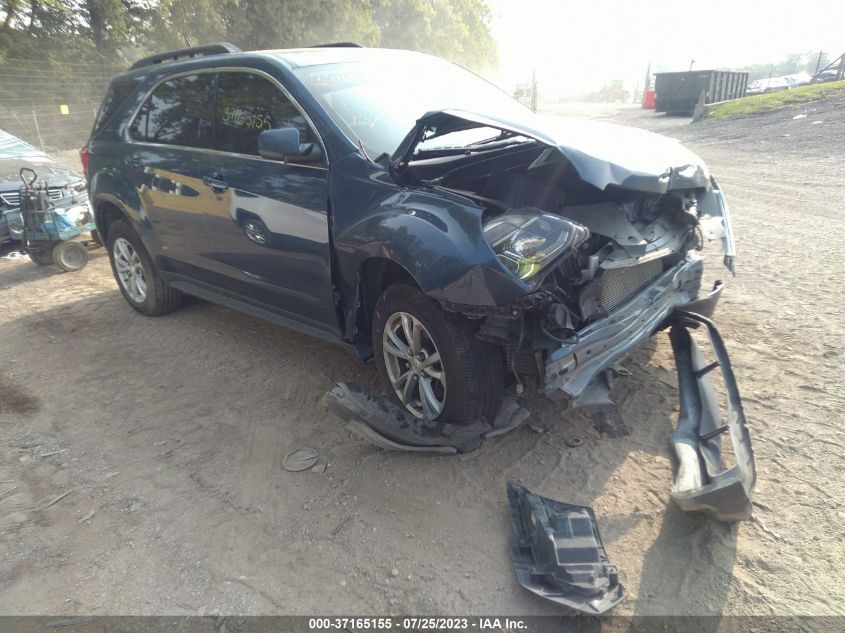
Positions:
{"x": 186, "y": 53}
{"x": 339, "y": 45}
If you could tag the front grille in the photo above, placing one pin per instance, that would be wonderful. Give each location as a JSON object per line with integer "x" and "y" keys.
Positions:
{"x": 620, "y": 284}
{"x": 13, "y": 198}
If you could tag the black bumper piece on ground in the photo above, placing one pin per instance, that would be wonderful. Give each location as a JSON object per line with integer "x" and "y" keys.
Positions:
{"x": 558, "y": 553}
{"x": 389, "y": 426}
{"x": 703, "y": 483}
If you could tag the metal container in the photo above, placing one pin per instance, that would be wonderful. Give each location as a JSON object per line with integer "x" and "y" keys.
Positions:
{"x": 679, "y": 92}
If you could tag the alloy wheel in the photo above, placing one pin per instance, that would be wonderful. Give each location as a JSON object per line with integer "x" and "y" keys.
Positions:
{"x": 129, "y": 270}
{"x": 414, "y": 366}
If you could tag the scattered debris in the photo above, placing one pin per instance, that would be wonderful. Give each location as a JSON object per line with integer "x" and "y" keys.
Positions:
{"x": 57, "y": 499}
{"x": 799, "y": 116}
{"x": 558, "y": 553}
{"x": 300, "y": 459}
{"x": 114, "y": 473}
{"x": 51, "y": 453}
{"x": 537, "y": 423}
{"x": 608, "y": 422}
{"x": 88, "y": 516}
{"x": 574, "y": 442}
{"x": 318, "y": 468}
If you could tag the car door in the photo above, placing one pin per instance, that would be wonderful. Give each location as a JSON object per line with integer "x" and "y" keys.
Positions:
{"x": 166, "y": 160}
{"x": 268, "y": 232}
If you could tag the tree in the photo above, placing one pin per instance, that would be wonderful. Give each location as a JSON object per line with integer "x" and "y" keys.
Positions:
{"x": 116, "y": 31}
{"x": 458, "y": 30}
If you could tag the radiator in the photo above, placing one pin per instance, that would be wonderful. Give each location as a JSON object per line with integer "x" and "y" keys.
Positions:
{"x": 620, "y": 284}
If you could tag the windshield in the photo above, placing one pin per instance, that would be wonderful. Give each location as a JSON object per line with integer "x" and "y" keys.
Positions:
{"x": 378, "y": 101}
{"x": 13, "y": 147}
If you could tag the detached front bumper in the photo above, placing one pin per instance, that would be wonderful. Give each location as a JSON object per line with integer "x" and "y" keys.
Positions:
{"x": 576, "y": 371}
{"x": 573, "y": 370}
{"x": 703, "y": 483}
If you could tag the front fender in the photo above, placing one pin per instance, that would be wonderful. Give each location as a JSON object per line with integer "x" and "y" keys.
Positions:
{"x": 438, "y": 240}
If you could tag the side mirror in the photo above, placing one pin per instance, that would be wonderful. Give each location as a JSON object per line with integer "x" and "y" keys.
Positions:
{"x": 284, "y": 143}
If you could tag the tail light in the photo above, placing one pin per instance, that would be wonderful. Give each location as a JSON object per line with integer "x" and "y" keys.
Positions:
{"x": 83, "y": 157}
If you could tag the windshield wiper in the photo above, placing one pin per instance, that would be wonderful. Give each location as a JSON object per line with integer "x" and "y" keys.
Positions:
{"x": 363, "y": 151}
{"x": 478, "y": 147}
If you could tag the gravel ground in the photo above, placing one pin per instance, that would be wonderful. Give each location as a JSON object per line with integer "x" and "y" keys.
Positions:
{"x": 168, "y": 435}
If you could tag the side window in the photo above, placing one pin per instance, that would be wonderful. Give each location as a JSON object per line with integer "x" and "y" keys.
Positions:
{"x": 178, "y": 112}
{"x": 248, "y": 104}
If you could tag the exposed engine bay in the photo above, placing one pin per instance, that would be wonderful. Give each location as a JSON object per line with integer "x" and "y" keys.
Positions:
{"x": 583, "y": 251}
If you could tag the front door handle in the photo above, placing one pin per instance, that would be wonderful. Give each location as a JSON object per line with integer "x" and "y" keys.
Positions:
{"x": 217, "y": 185}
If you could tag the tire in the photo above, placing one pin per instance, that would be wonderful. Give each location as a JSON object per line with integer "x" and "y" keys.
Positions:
{"x": 140, "y": 282}
{"x": 471, "y": 369}
{"x": 70, "y": 256}
{"x": 42, "y": 256}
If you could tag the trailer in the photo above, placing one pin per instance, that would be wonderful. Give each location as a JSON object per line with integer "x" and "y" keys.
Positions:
{"x": 679, "y": 92}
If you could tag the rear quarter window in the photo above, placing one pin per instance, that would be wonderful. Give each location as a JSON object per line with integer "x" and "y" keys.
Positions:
{"x": 178, "y": 112}
{"x": 116, "y": 94}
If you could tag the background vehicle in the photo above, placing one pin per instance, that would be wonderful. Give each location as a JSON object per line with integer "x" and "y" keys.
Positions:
{"x": 775, "y": 84}
{"x": 404, "y": 208}
{"x": 15, "y": 154}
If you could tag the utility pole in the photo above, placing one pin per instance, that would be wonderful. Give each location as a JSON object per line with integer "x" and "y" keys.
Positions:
{"x": 691, "y": 62}
{"x": 819, "y": 61}
{"x": 534, "y": 89}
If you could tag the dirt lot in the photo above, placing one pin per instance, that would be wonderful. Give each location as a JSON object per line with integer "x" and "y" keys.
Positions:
{"x": 169, "y": 434}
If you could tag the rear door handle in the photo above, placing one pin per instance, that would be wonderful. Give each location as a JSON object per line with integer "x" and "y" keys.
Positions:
{"x": 217, "y": 185}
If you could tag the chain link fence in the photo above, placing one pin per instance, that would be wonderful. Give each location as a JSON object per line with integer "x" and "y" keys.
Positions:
{"x": 52, "y": 106}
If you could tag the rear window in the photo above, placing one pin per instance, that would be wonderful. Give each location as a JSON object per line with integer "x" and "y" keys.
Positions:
{"x": 178, "y": 112}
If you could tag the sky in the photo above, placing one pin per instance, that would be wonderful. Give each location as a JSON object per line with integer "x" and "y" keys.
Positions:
{"x": 580, "y": 45}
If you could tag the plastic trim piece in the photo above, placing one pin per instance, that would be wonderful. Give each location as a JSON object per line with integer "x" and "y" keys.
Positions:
{"x": 558, "y": 553}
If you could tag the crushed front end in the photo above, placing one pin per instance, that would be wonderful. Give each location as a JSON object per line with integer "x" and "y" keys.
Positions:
{"x": 635, "y": 271}
{"x": 600, "y": 226}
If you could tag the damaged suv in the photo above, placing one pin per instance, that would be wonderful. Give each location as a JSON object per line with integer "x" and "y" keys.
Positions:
{"x": 405, "y": 208}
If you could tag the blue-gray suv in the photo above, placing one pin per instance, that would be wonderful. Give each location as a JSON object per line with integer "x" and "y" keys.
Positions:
{"x": 405, "y": 208}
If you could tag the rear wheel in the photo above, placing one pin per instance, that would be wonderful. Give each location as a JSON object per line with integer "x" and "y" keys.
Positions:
{"x": 430, "y": 361}
{"x": 42, "y": 256}
{"x": 70, "y": 256}
{"x": 139, "y": 280}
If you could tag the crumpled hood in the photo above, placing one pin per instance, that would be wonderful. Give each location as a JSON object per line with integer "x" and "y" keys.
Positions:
{"x": 603, "y": 154}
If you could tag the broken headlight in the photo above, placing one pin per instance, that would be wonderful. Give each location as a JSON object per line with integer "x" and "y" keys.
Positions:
{"x": 526, "y": 242}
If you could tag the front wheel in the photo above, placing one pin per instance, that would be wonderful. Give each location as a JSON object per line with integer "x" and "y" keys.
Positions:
{"x": 430, "y": 361}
